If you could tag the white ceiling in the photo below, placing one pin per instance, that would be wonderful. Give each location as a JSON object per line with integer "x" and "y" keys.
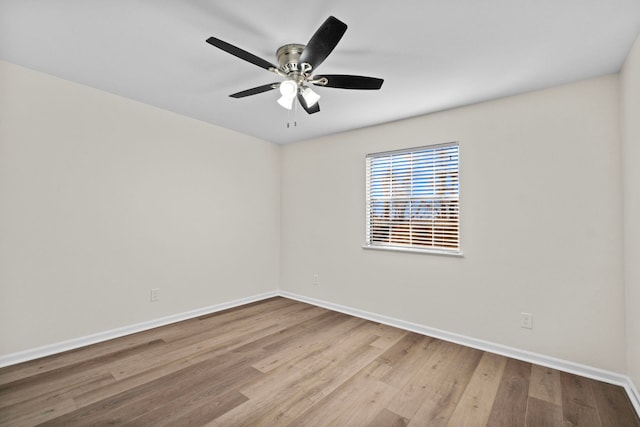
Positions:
{"x": 433, "y": 54}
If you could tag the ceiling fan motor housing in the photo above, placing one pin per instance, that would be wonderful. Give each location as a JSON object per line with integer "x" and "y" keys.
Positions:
{"x": 288, "y": 60}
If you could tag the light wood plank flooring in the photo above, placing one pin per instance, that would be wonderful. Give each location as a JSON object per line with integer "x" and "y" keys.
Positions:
{"x": 284, "y": 363}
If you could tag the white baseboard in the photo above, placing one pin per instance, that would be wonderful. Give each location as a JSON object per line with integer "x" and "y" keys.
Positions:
{"x": 634, "y": 395}
{"x": 47, "y": 350}
{"x": 527, "y": 356}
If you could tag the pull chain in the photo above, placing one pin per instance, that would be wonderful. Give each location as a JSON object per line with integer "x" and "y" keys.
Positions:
{"x": 294, "y": 112}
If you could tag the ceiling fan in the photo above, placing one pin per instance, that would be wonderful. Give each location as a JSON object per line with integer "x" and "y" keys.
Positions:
{"x": 297, "y": 62}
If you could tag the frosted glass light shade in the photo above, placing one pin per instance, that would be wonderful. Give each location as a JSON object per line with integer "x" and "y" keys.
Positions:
{"x": 288, "y": 89}
{"x": 310, "y": 97}
{"x": 286, "y": 102}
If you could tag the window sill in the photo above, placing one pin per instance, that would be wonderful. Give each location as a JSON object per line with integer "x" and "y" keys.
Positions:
{"x": 414, "y": 250}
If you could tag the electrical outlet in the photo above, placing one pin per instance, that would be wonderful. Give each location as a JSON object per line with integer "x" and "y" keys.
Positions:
{"x": 316, "y": 280}
{"x": 155, "y": 294}
{"x": 526, "y": 320}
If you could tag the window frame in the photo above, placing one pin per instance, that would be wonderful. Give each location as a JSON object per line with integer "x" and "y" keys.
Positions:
{"x": 390, "y": 246}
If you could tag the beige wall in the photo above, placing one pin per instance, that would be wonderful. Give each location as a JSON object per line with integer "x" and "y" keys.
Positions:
{"x": 541, "y": 206}
{"x": 103, "y": 198}
{"x": 630, "y": 102}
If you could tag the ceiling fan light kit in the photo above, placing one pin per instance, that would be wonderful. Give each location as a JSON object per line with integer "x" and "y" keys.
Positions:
{"x": 296, "y": 63}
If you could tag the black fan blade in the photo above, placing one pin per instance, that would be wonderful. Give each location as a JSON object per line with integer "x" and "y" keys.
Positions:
{"x": 345, "y": 81}
{"x": 313, "y": 109}
{"x": 323, "y": 42}
{"x": 255, "y": 90}
{"x": 242, "y": 54}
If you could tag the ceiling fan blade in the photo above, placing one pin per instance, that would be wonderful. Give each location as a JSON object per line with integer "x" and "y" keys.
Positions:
{"x": 255, "y": 90}
{"x": 313, "y": 109}
{"x": 323, "y": 42}
{"x": 345, "y": 81}
{"x": 242, "y": 54}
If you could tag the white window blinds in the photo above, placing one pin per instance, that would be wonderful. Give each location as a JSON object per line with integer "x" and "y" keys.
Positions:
{"x": 413, "y": 199}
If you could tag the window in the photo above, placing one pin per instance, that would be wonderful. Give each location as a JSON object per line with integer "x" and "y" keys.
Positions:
{"x": 412, "y": 199}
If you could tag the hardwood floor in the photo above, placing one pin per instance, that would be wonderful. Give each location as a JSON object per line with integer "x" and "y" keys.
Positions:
{"x": 284, "y": 363}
